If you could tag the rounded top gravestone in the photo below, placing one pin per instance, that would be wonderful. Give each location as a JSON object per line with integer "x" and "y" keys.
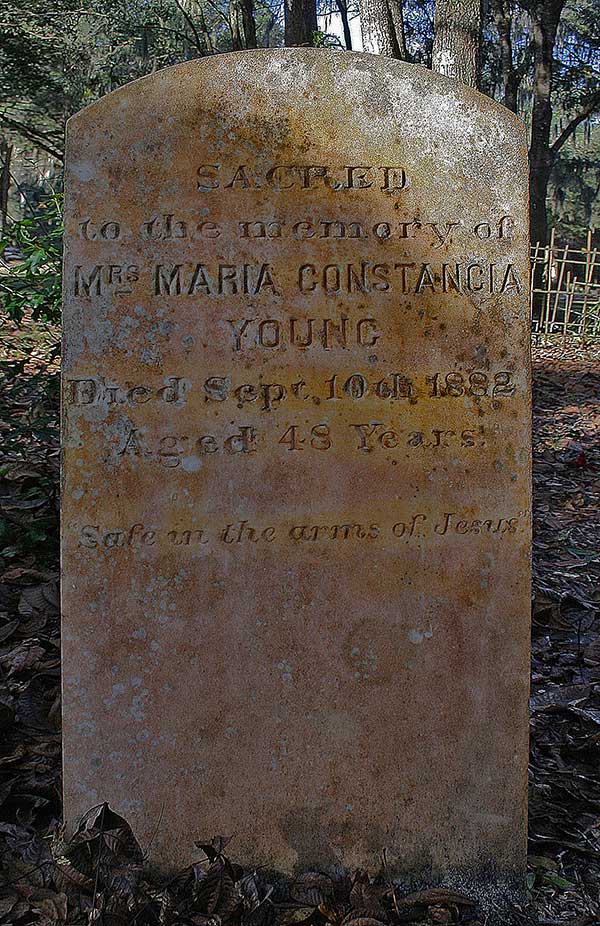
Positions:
{"x": 296, "y": 465}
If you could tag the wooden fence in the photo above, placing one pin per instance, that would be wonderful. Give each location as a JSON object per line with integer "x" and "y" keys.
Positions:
{"x": 565, "y": 293}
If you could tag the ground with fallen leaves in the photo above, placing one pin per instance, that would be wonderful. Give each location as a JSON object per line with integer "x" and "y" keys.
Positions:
{"x": 100, "y": 876}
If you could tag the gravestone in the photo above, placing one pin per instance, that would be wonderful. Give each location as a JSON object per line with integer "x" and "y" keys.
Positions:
{"x": 296, "y": 466}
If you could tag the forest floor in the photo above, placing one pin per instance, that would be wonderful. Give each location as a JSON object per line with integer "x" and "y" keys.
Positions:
{"x": 101, "y": 879}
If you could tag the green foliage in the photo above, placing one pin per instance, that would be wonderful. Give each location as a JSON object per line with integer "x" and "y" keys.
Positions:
{"x": 29, "y": 460}
{"x": 30, "y": 291}
{"x": 544, "y": 875}
{"x": 31, "y": 284}
{"x": 56, "y": 57}
{"x": 325, "y": 40}
{"x": 61, "y": 55}
{"x": 575, "y": 185}
{"x": 42, "y": 68}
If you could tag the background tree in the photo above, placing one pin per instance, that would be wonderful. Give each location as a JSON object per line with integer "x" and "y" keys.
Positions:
{"x": 561, "y": 62}
{"x": 6, "y": 151}
{"x": 343, "y": 9}
{"x": 541, "y": 58}
{"x": 457, "y": 40}
{"x": 300, "y": 22}
{"x": 543, "y": 61}
{"x": 38, "y": 61}
{"x": 507, "y": 52}
{"x": 574, "y": 188}
{"x": 382, "y": 28}
{"x": 243, "y": 27}
{"x": 544, "y": 18}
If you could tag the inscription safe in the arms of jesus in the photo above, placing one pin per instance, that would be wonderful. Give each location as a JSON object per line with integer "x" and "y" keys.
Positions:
{"x": 450, "y": 525}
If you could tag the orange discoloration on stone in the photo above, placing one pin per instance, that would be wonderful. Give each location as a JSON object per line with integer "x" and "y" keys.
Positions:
{"x": 297, "y": 469}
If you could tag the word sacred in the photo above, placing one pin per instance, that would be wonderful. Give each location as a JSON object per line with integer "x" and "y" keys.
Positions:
{"x": 300, "y": 177}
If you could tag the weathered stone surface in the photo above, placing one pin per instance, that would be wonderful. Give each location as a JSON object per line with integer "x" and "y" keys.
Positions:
{"x": 297, "y": 482}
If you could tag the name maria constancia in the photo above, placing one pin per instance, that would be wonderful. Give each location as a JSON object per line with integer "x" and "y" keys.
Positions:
{"x": 332, "y": 279}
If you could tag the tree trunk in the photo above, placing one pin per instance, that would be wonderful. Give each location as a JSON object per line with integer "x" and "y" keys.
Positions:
{"x": 545, "y": 17}
{"x": 268, "y": 28}
{"x": 511, "y": 90}
{"x": 206, "y": 46}
{"x": 382, "y": 28}
{"x": 243, "y": 28}
{"x": 6, "y": 151}
{"x": 342, "y": 7}
{"x": 511, "y": 73}
{"x": 457, "y": 40}
{"x": 300, "y": 22}
{"x": 502, "y": 21}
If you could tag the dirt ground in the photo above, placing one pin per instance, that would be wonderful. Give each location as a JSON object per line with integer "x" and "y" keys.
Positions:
{"x": 102, "y": 879}
{"x": 565, "y": 703}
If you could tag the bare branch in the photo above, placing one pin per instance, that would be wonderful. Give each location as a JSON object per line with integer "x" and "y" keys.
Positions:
{"x": 199, "y": 45}
{"x": 589, "y": 105}
{"x": 38, "y": 138}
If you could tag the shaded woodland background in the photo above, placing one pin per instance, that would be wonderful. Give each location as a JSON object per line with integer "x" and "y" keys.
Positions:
{"x": 541, "y": 58}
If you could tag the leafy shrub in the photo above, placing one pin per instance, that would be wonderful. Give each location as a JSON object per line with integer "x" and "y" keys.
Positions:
{"x": 32, "y": 282}
{"x": 29, "y": 463}
{"x": 30, "y": 292}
